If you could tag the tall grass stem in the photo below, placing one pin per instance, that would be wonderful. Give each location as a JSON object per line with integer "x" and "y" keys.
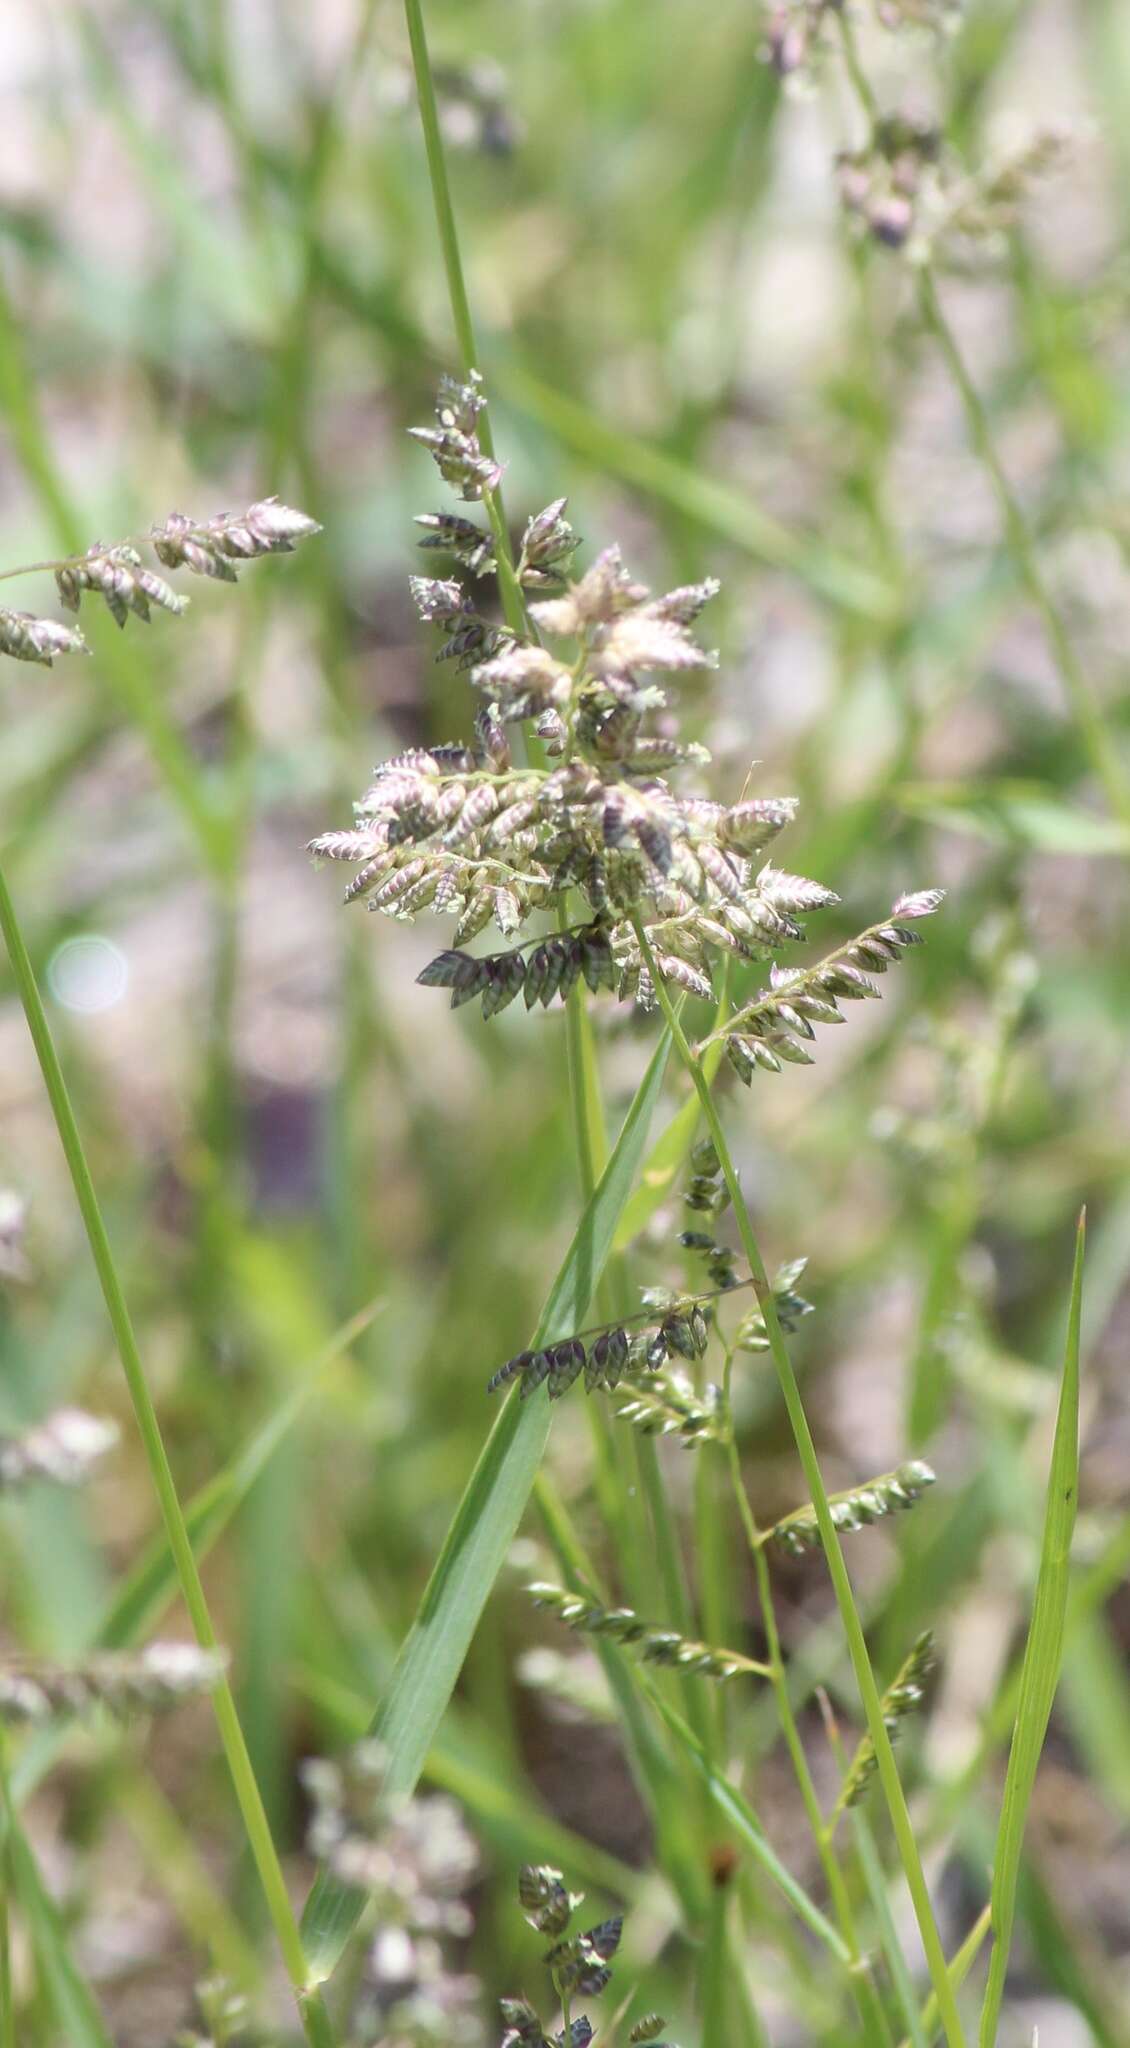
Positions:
{"x": 315, "y": 2019}
{"x": 841, "y": 1583}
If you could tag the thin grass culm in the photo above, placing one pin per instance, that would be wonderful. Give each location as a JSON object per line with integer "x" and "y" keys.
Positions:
{"x": 207, "y": 551}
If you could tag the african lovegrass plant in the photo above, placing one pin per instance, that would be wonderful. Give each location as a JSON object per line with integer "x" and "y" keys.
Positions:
{"x": 571, "y": 812}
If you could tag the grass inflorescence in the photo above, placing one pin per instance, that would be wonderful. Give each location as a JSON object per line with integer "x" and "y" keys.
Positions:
{"x": 474, "y": 1647}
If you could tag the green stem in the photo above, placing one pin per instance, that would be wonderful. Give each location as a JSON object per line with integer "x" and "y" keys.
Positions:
{"x": 315, "y": 2019}
{"x": 867, "y": 1998}
{"x": 841, "y": 1583}
{"x": 512, "y": 602}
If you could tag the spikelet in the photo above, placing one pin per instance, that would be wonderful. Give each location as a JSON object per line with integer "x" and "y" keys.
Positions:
{"x": 215, "y": 547}
{"x": 856, "y": 1509}
{"x": 27, "y": 638}
{"x": 120, "y": 577}
{"x": 902, "y": 1698}
{"x": 668, "y": 1405}
{"x": 653, "y": 1645}
{"x": 751, "y": 1334}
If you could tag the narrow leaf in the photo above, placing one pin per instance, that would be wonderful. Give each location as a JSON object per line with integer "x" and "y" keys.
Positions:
{"x": 1042, "y": 1657}
{"x": 147, "y": 1590}
{"x": 483, "y": 1528}
{"x": 79, "y": 2020}
{"x": 742, "y": 1818}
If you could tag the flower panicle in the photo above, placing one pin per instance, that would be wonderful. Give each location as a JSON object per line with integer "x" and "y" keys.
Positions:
{"x": 653, "y": 1645}
{"x": 460, "y": 831}
{"x": 906, "y": 190}
{"x": 892, "y": 1493}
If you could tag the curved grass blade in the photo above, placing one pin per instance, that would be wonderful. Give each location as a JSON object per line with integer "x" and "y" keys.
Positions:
{"x": 959, "y": 1970}
{"x": 485, "y": 1522}
{"x": 742, "y": 1818}
{"x": 80, "y": 2022}
{"x": 665, "y": 1160}
{"x": 1042, "y": 1657}
{"x": 147, "y": 1590}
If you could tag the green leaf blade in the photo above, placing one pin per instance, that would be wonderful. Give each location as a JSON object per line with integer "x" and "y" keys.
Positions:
{"x": 483, "y": 1528}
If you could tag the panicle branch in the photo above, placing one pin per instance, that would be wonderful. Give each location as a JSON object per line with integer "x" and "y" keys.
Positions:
{"x": 858, "y": 1508}
{"x": 117, "y": 573}
{"x": 654, "y": 1645}
{"x": 903, "y": 1697}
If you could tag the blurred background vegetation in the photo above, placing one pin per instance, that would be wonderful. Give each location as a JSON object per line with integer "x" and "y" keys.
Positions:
{"x": 219, "y": 277}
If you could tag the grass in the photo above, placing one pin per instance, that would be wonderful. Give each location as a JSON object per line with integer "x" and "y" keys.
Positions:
{"x": 282, "y": 1128}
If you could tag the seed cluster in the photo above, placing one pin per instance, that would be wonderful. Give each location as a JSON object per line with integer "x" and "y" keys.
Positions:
{"x": 908, "y": 192}
{"x": 682, "y": 1330}
{"x": 64, "y": 1448}
{"x": 779, "y": 1024}
{"x": 461, "y": 830}
{"x": 149, "y": 1681}
{"x": 116, "y": 572}
{"x": 552, "y": 969}
{"x": 578, "y": 1964}
{"x": 416, "y": 1861}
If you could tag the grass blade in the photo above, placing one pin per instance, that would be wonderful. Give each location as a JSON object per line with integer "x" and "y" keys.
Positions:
{"x": 742, "y": 1818}
{"x": 79, "y": 2019}
{"x": 1042, "y": 1656}
{"x": 483, "y": 1528}
{"x": 959, "y": 1970}
{"x": 147, "y": 1590}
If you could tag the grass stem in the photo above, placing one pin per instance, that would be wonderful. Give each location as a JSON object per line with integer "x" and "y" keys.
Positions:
{"x": 512, "y": 602}
{"x": 312, "y": 2012}
{"x": 841, "y": 1583}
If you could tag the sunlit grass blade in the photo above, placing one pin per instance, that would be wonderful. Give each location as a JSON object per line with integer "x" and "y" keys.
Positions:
{"x": 735, "y": 1809}
{"x": 484, "y": 1526}
{"x": 1042, "y": 1657}
{"x": 670, "y": 1149}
